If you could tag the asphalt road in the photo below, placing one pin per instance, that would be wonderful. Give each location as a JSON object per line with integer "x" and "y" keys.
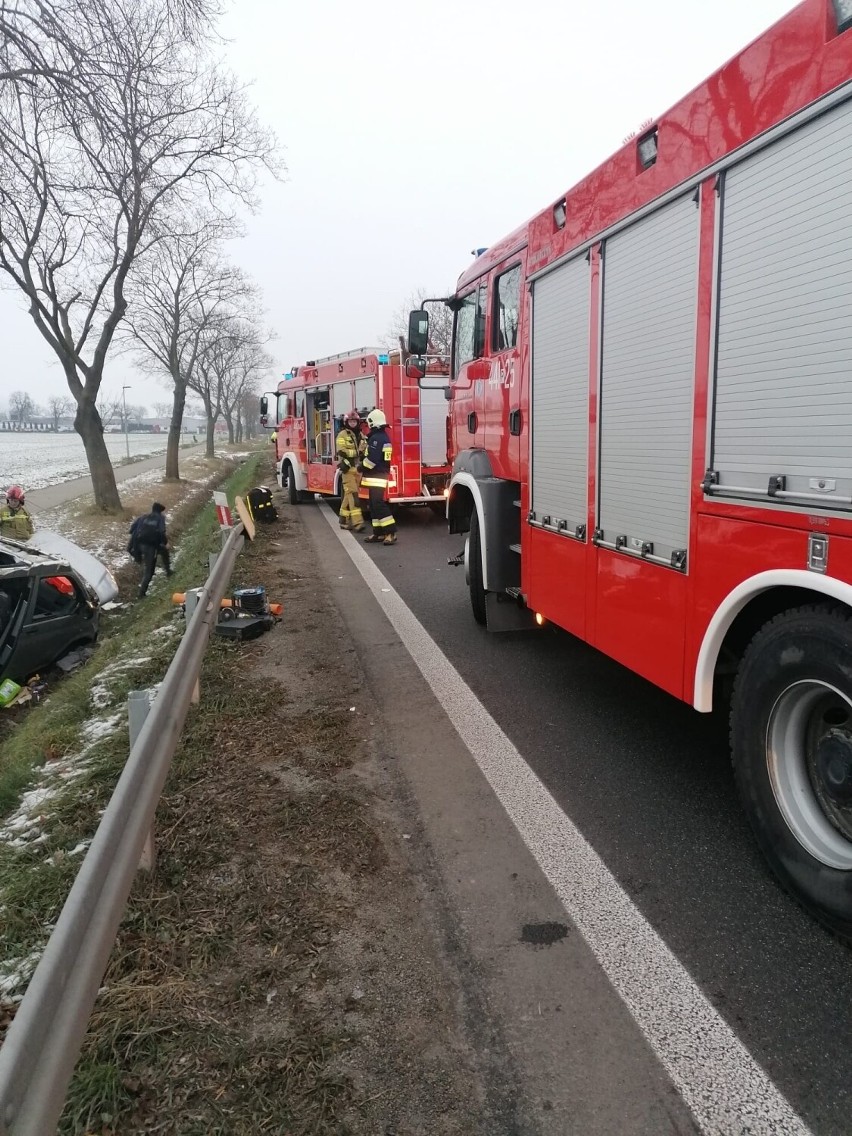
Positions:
{"x": 648, "y": 783}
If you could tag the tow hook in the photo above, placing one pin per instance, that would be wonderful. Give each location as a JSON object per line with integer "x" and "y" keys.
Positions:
{"x": 455, "y": 561}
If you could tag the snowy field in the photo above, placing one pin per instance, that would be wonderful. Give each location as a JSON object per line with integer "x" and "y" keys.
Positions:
{"x": 38, "y": 460}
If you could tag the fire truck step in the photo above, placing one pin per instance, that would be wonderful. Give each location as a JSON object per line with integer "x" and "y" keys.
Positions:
{"x": 515, "y": 547}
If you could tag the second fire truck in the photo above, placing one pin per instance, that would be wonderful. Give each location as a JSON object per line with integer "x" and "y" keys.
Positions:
{"x": 312, "y": 400}
{"x": 652, "y": 413}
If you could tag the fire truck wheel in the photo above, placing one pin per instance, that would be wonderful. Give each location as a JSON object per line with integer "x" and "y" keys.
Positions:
{"x": 474, "y": 570}
{"x": 791, "y": 739}
{"x": 292, "y": 492}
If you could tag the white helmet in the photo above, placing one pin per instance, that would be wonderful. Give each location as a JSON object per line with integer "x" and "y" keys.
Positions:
{"x": 375, "y": 419}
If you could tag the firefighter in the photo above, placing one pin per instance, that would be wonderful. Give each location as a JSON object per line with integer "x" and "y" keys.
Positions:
{"x": 15, "y": 521}
{"x": 375, "y": 466}
{"x": 351, "y": 447}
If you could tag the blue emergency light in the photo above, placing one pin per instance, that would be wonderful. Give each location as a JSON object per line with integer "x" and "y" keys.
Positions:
{"x": 288, "y": 375}
{"x": 384, "y": 358}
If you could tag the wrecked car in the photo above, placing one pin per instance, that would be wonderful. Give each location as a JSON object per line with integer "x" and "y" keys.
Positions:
{"x": 46, "y": 610}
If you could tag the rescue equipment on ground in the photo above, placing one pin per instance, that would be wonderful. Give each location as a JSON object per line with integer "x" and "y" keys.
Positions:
{"x": 248, "y": 615}
{"x": 261, "y": 505}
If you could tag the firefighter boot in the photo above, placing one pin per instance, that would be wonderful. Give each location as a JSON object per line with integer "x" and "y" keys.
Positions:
{"x": 343, "y": 522}
{"x": 390, "y": 538}
{"x": 373, "y": 538}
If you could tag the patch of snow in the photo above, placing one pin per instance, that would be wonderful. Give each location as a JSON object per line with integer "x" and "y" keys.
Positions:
{"x": 166, "y": 629}
{"x": 22, "y": 828}
{"x": 16, "y": 973}
{"x": 101, "y": 694}
{"x": 97, "y": 728}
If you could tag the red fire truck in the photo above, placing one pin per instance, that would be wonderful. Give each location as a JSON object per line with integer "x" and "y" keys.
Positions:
{"x": 312, "y": 401}
{"x": 652, "y": 419}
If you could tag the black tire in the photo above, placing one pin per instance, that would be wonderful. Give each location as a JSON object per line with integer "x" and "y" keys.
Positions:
{"x": 292, "y": 492}
{"x": 791, "y": 742}
{"x": 474, "y": 561}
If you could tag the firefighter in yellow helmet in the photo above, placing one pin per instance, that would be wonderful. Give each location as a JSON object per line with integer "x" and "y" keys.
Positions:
{"x": 350, "y": 448}
{"x": 376, "y": 465}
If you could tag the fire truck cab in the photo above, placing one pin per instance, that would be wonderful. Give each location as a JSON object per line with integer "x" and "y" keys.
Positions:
{"x": 312, "y": 401}
{"x": 652, "y": 420}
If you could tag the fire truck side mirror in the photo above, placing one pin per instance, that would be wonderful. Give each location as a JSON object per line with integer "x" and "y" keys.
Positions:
{"x": 415, "y": 367}
{"x": 264, "y": 407}
{"x": 418, "y": 332}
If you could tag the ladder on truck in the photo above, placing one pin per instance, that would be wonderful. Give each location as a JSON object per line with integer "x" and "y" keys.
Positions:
{"x": 409, "y": 431}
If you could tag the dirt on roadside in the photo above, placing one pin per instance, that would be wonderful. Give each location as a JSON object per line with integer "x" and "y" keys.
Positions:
{"x": 279, "y": 972}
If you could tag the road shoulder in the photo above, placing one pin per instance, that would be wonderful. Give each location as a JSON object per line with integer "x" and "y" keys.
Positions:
{"x": 546, "y": 1025}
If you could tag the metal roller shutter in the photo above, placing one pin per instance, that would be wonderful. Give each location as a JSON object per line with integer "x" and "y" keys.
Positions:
{"x": 433, "y": 426}
{"x": 783, "y": 383}
{"x": 560, "y": 396}
{"x": 647, "y": 377}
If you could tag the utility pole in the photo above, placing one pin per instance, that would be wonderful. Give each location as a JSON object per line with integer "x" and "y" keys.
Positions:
{"x": 124, "y": 391}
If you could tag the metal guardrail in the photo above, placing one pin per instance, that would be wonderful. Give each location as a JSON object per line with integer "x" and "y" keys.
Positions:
{"x": 44, "y": 1040}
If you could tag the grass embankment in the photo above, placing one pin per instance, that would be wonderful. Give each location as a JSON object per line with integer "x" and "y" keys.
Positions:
{"x": 224, "y": 930}
{"x": 79, "y": 739}
{"x": 52, "y": 730}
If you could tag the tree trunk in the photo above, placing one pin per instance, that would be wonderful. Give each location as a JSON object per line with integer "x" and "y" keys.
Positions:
{"x": 211, "y": 423}
{"x": 230, "y": 424}
{"x": 173, "y": 446}
{"x": 87, "y": 423}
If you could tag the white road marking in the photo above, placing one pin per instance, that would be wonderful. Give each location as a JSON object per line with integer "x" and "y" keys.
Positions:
{"x": 727, "y": 1091}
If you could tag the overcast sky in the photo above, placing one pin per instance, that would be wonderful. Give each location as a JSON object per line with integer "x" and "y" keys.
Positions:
{"x": 414, "y": 133}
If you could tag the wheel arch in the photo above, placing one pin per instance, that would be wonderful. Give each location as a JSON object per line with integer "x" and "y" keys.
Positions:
{"x": 746, "y": 609}
{"x": 466, "y": 498}
{"x": 292, "y": 460}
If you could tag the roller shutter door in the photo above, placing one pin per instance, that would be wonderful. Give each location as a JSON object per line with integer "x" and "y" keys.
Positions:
{"x": 783, "y": 380}
{"x": 647, "y": 379}
{"x": 560, "y": 397}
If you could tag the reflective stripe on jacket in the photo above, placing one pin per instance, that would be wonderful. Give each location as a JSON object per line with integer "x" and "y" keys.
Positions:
{"x": 377, "y": 460}
{"x": 15, "y": 525}
{"x": 347, "y": 445}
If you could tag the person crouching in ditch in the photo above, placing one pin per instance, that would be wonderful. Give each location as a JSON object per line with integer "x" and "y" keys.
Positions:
{"x": 148, "y": 535}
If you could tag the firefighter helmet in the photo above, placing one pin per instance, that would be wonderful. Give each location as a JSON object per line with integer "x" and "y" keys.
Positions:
{"x": 376, "y": 418}
{"x": 15, "y": 493}
{"x": 350, "y": 414}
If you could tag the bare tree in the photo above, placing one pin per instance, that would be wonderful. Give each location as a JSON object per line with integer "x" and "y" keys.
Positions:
{"x": 41, "y": 44}
{"x": 183, "y": 289}
{"x": 248, "y": 363}
{"x": 21, "y": 408}
{"x": 58, "y": 406}
{"x": 93, "y": 169}
{"x": 162, "y": 409}
{"x": 230, "y": 352}
{"x": 440, "y": 323}
{"x": 248, "y": 411}
{"x": 109, "y": 410}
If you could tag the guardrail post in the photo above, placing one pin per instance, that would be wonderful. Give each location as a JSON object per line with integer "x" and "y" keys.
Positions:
{"x": 138, "y": 705}
{"x": 190, "y": 604}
